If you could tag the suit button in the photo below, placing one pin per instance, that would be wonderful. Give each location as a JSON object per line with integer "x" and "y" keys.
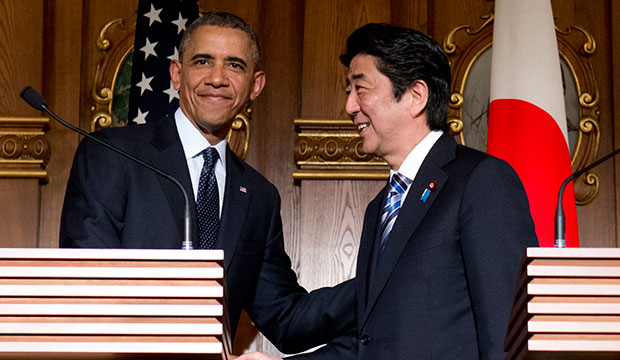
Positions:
{"x": 365, "y": 339}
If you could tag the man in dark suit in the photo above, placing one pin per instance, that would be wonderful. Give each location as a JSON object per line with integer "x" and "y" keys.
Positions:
{"x": 442, "y": 243}
{"x": 112, "y": 202}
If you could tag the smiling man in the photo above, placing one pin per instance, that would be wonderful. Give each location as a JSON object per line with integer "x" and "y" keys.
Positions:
{"x": 442, "y": 243}
{"x": 112, "y": 202}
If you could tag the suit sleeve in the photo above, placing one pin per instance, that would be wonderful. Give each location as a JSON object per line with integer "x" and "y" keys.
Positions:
{"x": 290, "y": 318}
{"x": 93, "y": 209}
{"x": 495, "y": 227}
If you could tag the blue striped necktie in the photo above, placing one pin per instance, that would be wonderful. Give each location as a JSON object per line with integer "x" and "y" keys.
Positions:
{"x": 208, "y": 201}
{"x": 396, "y": 190}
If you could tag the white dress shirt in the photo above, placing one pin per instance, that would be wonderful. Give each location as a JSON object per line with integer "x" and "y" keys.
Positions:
{"x": 413, "y": 161}
{"x": 193, "y": 144}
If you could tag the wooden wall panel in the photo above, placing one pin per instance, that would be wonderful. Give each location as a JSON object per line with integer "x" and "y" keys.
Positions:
{"x": 326, "y": 28}
{"x": 444, "y": 15}
{"x": 597, "y": 219}
{"x": 21, "y": 58}
{"x": 62, "y": 45}
{"x": 19, "y": 208}
{"x": 21, "y": 53}
{"x": 333, "y": 214}
{"x": 411, "y": 14}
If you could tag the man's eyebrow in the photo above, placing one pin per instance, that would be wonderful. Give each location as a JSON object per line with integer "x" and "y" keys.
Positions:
{"x": 202, "y": 56}
{"x": 354, "y": 77}
{"x": 228, "y": 58}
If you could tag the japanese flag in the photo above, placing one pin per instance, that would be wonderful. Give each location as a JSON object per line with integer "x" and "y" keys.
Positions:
{"x": 527, "y": 120}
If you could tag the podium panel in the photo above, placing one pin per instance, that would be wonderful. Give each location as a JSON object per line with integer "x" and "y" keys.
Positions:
{"x": 112, "y": 304}
{"x": 567, "y": 305}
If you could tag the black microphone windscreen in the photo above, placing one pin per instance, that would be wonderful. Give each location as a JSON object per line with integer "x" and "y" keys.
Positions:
{"x": 33, "y": 98}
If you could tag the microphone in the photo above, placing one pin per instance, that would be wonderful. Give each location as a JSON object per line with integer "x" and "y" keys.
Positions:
{"x": 560, "y": 236}
{"x": 34, "y": 99}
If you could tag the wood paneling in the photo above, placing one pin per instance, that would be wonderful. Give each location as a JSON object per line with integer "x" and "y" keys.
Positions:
{"x": 19, "y": 205}
{"x": 60, "y": 88}
{"x": 597, "y": 219}
{"x": 21, "y": 53}
{"x": 21, "y": 59}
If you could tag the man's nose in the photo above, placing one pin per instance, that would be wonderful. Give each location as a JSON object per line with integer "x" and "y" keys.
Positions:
{"x": 352, "y": 106}
{"x": 217, "y": 76}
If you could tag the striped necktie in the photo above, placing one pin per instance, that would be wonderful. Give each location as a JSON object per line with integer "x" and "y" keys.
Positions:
{"x": 396, "y": 190}
{"x": 208, "y": 201}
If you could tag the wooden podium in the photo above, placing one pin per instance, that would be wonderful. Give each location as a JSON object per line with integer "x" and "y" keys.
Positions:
{"x": 567, "y": 305}
{"x": 112, "y": 304}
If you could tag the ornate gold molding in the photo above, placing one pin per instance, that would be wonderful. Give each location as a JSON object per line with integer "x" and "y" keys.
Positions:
{"x": 24, "y": 149}
{"x": 239, "y": 134}
{"x": 116, "y": 43}
{"x": 331, "y": 150}
{"x": 464, "y": 45}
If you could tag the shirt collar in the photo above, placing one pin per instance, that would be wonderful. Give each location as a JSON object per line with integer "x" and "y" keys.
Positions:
{"x": 193, "y": 141}
{"x": 413, "y": 161}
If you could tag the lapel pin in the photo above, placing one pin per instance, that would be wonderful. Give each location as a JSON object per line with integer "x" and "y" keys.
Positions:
{"x": 243, "y": 189}
{"x": 429, "y": 188}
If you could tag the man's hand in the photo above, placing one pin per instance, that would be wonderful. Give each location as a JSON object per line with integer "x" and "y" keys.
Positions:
{"x": 256, "y": 356}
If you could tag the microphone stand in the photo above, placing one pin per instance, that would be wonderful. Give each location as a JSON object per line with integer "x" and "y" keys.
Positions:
{"x": 34, "y": 99}
{"x": 560, "y": 236}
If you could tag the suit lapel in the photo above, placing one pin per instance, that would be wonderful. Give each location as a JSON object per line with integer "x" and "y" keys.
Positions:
{"x": 170, "y": 158}
{"x": 235, "y": 209}
{"x": 366, "y": 253}
{"x": 411, "y": 214}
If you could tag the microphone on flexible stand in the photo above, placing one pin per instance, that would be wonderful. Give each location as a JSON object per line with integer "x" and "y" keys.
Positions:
{"x": 560, "y": 236}
{"x": 34, "y": 99}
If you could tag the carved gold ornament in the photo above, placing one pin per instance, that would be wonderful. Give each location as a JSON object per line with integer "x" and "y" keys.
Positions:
{"x": 24, "y": 149}
{"x": 465, "y": 45}
{"x": 331, "y": 150}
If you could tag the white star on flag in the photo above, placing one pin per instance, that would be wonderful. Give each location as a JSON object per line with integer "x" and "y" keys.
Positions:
{"x": 145, "y": 84}
{"x": 141, "y": 118}
{"x": 175, "y": 55}
{"x": 149, "y": 49}
{"x": 180, "y": 23}
{"x": 171, "y": 92}
{"x": 153, "y": 15}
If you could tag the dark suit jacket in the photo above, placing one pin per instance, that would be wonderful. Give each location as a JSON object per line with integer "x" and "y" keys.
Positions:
{"x": 444, "y": 284}
{"x": 112, "y": 202}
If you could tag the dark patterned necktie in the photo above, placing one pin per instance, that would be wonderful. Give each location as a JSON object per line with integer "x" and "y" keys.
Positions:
{"x": 208, "y": 201}
{"x": 396, "y": 190}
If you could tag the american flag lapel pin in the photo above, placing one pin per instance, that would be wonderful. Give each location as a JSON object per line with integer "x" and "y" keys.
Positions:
{"x": 243, "y": 189}
{"x": 429, "y": 188}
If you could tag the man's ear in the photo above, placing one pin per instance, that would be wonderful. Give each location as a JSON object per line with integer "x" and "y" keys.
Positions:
{"x": 418, "y": 93}
{"x": 259, "y": 84}
{"x": 175, "y": 73}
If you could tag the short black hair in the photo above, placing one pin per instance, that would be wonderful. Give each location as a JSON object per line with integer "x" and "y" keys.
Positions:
{"x": 405, "y": 56}
{"x": 223, "y": 20}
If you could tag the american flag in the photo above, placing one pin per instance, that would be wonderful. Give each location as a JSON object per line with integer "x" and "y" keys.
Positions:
{"x": 159, "y": 27}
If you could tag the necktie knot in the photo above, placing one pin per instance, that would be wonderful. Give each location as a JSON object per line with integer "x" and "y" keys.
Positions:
{"x": 396, "y": 189}
{"x": 399, "y": 184}
{"x": 210, "y": 156}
